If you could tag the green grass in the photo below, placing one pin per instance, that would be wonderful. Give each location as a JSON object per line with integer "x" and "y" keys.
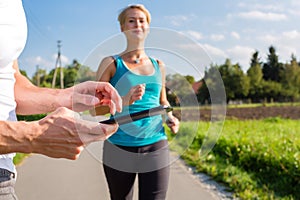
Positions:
{"x": 19, "y": 158}
{"x": 252, "y": 105}
{"x": 257, "y": 159}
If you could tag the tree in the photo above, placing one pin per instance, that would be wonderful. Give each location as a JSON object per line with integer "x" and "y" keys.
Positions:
{"x": 271, "y": 69}
{"x": 190, "y": 79}
{"x": 255, "y": 76}
{"x": 212, "y": 88}
{"x": 291, "y": 80}
{"x": 24, "y": 73}
{"x": 50, "y": 77}
{"x": 179, "y": 90}
{"x": 41, "y": 76}
{"x": 235, "y": 81}
{"x": 70, "y": 76}
{"x": 85, "y": 74}
{"x": 271, "y": 90}
{"x": 73, "y": 73}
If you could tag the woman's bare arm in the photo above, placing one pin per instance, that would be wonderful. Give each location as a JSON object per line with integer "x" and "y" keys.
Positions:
{"x": 172, "y": 121}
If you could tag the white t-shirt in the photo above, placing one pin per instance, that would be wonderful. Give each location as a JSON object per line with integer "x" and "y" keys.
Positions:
{"x": 13, "y": 34}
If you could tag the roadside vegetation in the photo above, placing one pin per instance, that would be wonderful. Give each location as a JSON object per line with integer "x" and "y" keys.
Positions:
{"x": 256, "y": 159}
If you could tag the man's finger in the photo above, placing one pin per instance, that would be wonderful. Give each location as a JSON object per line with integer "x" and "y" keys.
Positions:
{"x": 86, "y": 99}
{"x": 112, "y": 94}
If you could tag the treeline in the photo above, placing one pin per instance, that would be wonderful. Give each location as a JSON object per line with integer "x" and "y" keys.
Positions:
{"x": 73, "y": 73}
{"x": 270, "y": 81}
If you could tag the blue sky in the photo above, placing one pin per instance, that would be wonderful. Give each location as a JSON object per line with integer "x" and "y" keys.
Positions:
{"x": 224, "y": 29}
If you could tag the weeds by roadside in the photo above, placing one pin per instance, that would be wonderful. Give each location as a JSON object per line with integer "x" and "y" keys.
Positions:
{"x": 257, "y": 159}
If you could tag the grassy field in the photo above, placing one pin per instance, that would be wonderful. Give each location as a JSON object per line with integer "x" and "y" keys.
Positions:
{"x": 257, "y": 159}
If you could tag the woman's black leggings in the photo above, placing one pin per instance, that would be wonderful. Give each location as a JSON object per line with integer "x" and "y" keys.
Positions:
{"x": 151, "y": 164}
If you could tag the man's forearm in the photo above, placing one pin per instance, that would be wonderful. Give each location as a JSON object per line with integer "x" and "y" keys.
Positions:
{"x": 40, "y": 100}
{"x": 16, "y": 137}
{"x": 35, "y": 100}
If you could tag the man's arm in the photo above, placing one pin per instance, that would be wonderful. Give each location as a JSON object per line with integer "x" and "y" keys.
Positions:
{"x": 35, "y": 100}
{"x": 32, "y": 99}
{"x": 61, "y": 134}
{"x": 17, "y": 136}
{"x": 58, "y": 135}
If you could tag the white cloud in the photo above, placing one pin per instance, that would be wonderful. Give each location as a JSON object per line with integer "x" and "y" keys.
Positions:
{"x": 64, "y": 59}
{"x": 179, "y": 20}
{"x": 294, "y": 12}
{"x": 240, "y": 51}
{"x": 194, "y": 52}
{"x": 217, "y": 37}
{"x": 285, "y": 38}
{"x": 241, "y": 54}
{"x": 216, "y": 54}
{"x": 290, "y": 8}
{"x": 235, "y": 35}
{"x": 263, "y": 16}
{"x": 38, "y": 60}
{"x": 285, "y": 43}
{"x": 195, "y": 35}
{"x": 285, "y": 52}
{"x": 295, "y": 3}
{"x": 268, "y": 39}
{"x": 275, "y": 7}
{"x": 294, "y": 34}
{"x": 30, "y": 63}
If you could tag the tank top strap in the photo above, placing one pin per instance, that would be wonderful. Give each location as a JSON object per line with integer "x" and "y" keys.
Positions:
{"x": 118, "y": 61}
{"x": 156, "y": 66}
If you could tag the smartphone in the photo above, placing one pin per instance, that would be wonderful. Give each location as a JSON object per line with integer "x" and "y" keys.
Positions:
{"x": 138, "y": 115}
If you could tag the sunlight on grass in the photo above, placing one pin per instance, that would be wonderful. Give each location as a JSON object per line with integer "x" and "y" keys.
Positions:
{"x": 257, "y": 159}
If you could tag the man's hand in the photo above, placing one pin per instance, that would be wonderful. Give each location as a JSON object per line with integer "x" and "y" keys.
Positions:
{"x": 62, "y": 134}
{"x": 89, "y": 94}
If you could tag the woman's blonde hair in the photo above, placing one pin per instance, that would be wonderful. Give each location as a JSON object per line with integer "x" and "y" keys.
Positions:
{"x": 122, "y": 15}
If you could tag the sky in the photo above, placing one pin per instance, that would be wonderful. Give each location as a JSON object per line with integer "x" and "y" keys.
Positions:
{"x": 219, "y": 29}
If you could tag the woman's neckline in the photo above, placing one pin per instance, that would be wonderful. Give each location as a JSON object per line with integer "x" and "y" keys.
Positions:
{"x": 136, "y": 72}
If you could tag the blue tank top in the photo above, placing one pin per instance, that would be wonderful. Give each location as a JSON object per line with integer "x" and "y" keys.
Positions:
{"x": 144, "y": 131}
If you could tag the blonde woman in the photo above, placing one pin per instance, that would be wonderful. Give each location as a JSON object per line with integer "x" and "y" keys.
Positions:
{"x": 139, "y": 148}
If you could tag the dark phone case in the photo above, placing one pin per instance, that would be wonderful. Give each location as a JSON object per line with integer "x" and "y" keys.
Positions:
{"x": 137, "y": 115}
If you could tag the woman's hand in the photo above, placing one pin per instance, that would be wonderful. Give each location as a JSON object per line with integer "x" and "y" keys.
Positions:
{"x": 173, "y": 123}
{"x": 134, "y": 94}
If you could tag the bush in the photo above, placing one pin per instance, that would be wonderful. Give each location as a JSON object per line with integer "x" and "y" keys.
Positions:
{"x": 30, "y": 117}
